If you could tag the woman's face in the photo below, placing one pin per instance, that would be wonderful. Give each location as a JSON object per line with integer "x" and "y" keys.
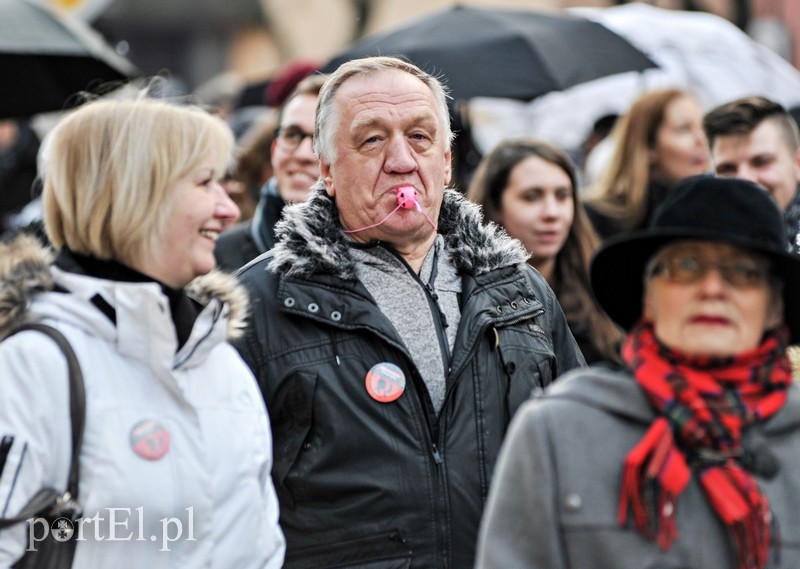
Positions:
{"x": 538, "y": 207}
{"x": 199, "y": 209}
{"x": 681, "y": 147}
{"x": 710, "y": 299}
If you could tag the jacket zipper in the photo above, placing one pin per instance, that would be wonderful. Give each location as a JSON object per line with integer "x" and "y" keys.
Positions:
{"x": 440, "y": 324}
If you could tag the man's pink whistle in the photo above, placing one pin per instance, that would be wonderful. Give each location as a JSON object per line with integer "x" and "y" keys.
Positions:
{"x": 407, "y": 197}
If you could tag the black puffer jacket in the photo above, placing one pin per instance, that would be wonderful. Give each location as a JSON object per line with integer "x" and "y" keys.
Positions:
{"x": 391, "y": 485}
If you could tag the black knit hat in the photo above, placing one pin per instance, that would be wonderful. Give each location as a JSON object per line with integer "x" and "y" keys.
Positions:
{"x": 727, "y": 210}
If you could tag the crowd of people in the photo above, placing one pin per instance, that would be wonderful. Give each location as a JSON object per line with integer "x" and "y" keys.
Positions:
{"x": 304, "y": 344}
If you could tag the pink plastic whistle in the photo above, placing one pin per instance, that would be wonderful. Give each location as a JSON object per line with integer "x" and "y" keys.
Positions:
{"x": 407, "y": 197}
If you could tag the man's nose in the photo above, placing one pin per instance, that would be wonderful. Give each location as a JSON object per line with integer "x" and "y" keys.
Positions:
{"x": 399, "y": 156}
{"x": 746, "y": 172}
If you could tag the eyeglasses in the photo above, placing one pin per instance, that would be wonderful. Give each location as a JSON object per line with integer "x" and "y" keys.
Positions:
{"x": 688, "y": 268}
{"x": 290, "y": 138}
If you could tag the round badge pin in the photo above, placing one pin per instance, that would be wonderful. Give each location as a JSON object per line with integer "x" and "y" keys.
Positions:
{"x": 149, "y": 439}
{"x": 385, "y": 382}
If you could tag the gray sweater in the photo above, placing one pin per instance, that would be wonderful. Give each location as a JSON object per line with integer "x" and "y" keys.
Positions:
{"x": 401, "y": 296}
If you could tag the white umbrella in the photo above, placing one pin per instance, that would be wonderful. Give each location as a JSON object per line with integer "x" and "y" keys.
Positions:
{"x": 698, "y": 51}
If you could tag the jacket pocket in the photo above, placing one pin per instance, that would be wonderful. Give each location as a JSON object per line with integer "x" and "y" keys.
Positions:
{"x": 386, "y": 550}
{"x": 526, "y": 358}
{"x": 292, "y": 414}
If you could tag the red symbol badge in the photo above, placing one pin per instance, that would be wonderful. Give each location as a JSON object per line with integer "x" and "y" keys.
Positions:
{"x": 149, "y": 439}
{"x": 385, "y": 382}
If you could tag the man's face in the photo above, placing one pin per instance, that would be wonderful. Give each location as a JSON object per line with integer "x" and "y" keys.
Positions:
{"x": 389, "y": 134}
{"x": 762, "y": 156}
{"x": 295, "y": 168}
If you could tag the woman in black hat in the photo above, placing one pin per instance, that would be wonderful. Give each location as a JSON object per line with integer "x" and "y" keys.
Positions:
{"x": 687, "y": 455}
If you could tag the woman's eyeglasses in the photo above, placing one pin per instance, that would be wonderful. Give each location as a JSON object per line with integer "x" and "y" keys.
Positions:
{"x": 689, "y": 268}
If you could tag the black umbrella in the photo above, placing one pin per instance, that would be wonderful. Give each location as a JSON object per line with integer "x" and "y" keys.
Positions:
{"x": 46, "y": 58}
{"x": 515, "y": 54}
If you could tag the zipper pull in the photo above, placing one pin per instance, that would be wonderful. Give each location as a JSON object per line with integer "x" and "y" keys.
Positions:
{"x": 437, "y": 458}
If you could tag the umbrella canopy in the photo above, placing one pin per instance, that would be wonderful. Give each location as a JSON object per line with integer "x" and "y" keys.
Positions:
{"x": 697, "y": 51}
{"x": 518, "y": 54}
{"x": 46, "y": 58}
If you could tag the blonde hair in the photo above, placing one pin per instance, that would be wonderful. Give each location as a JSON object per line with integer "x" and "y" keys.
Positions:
{"x": 109, "y": 169}
{"x": 621, "y": 192}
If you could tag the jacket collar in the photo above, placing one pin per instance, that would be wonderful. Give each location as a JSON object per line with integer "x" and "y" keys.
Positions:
{"x": 616, "y": 392}
{"x": 26, "y": 270}
{"x": 311, "y": 241}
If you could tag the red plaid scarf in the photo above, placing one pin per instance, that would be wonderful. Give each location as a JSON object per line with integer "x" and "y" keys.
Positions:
{"x": 703, "y": 404}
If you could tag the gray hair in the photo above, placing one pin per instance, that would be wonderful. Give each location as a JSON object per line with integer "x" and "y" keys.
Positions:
{"x": 327, "y": 121}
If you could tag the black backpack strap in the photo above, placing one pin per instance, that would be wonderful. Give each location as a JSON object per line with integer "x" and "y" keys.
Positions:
{"x": 43, "y": 500}
{"x": 77, "y": 404}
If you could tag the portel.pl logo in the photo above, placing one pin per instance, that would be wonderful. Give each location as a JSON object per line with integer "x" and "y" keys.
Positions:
{"x": 113, "y": 526}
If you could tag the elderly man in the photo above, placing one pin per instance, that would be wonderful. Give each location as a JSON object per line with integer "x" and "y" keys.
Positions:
{"x": 392, "y": 336}
{"x": 757, "y": 139}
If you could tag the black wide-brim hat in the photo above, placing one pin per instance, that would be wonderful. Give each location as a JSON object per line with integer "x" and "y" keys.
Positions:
{"x": 707, "y": 208}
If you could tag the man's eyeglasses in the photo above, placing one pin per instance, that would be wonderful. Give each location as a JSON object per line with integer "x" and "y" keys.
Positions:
{"x": 291, "y": 137}
{"x": 689, "y": 268}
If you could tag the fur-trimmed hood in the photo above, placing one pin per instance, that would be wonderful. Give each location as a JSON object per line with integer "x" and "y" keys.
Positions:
{"x": 310, "y": 239}
{"x": 25, "y": 270}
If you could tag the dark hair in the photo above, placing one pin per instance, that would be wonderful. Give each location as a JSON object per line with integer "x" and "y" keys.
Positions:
{"x": 742, "y": 116}
{"x": 571, "y": 273}
{"x": 310, "y": 85}
{"x": 253, "y": 157}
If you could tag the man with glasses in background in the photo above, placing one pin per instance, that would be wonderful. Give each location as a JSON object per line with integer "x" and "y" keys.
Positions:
{"x": 295, "y": 170}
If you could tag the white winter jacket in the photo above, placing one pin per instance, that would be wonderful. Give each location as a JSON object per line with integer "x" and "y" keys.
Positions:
{"x": 176, "y": 456}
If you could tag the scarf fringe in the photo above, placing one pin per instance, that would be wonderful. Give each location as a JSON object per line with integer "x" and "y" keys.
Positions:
{"x": 654, "y": 468}
{"x": 735, "y": 497}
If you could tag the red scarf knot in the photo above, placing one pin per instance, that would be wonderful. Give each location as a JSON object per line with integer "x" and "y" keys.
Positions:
{"x": 703, "y": 405}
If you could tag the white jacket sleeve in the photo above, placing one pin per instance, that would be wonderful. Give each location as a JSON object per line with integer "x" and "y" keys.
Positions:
{"x": 278, "y": 549}
{"x": 35, "y": 443}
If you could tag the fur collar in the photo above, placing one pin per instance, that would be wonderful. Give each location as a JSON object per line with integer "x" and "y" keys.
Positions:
{"x": 310, "y": 239}
{"x": 25, "y": 271}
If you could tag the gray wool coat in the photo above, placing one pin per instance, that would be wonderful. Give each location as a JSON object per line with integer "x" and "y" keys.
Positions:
{"x": 555, "y": 494}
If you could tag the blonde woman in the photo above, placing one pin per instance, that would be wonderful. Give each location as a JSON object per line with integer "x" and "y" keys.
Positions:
{"x": 176, "y": 431}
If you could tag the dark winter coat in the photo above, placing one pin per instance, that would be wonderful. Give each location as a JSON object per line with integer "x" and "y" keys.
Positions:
{"x": 391, "y": 485}
{"x": 245, "y": 241}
